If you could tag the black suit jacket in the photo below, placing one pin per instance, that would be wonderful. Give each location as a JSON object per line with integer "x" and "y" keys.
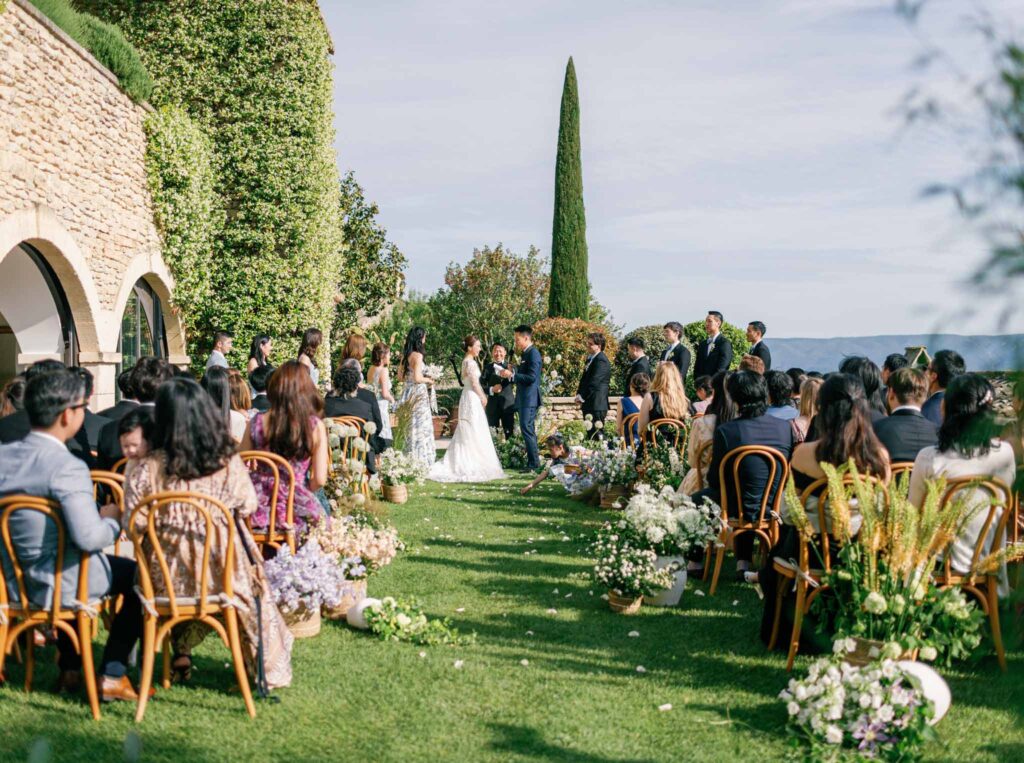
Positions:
{"x": 761, "y": 351}
{"x": 680, "y": 356}
{"x": 905, "y": 433}
{"x": 260, "y": 402}
{"x": 504, "y": 399}
{"x": 364, "y": 405}
{"x": 718, "y": 360}
{"x": 16, "y": 427}
{"x": 763, "y": 430}
{"x": 119, "y": 411}
{"x": 595, "y": 383}
{"x": 92, "y": 426}
{"x": 641, "y": 365}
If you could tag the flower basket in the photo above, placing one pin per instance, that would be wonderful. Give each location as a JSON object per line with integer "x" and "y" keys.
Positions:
{"x": 303, "y": 622}
{"x": 352, "y": 593}
{"x": 396, "y": 493}
{"x": 439, "y": 422}
{"x": 669, "y": 597}
{"x": 624, "y": 605}
{"x": 612, "y": 494}
{"x": 869, "y": 650}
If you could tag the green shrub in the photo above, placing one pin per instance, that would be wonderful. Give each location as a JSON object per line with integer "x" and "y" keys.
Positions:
{"x": 695, "y": 333}
{"x": 654, "y": 338}
{"x": 108, "y": 44}
{"x": 67, "y": 18}
{"x": 560, "y": 341}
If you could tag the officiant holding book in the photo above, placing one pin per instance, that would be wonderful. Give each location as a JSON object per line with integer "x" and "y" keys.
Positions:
{"x": 501, "y": 395}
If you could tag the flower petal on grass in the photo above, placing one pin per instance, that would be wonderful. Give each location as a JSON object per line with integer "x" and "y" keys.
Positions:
{"x": 665, "y": 707}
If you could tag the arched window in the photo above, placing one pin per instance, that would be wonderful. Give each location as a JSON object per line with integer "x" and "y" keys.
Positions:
{"x": 142, "y": 326}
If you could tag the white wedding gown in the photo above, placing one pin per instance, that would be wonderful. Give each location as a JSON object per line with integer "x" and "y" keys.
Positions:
{"x": 470, "y": 456}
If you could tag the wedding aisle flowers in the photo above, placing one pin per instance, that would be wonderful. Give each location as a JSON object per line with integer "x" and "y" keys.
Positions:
{"x": 670, "y": 523}
{"x": 309, "y": 578}
{"x": 403, "y": 620}
{"x": 398, "y": 468}
{"x": 662, "y": 465}
{"x": 611, "y": 466}
{"x": 625, "y": 562}
{"x": 360, "y": 536}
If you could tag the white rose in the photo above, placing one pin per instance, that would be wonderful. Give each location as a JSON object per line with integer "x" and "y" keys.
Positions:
{"x": 404, "y": 621}
{"x": 793, "y": 708}
{"x": 929, "y": 653}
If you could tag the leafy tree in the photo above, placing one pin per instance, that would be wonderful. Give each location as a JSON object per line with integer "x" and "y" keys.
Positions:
{"x": 570, "y": 289}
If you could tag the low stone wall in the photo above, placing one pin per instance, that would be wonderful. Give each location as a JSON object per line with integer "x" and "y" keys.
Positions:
{"x": 561, "y": 410}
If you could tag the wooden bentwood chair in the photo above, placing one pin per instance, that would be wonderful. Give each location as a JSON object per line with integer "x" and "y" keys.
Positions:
{"x": 703, "y": 459}
{"x": 273, "y": 536}
{"x": 22, "y": 615}
{"x": 204, "y": 603}
{"x": 629, "y": 421}
{"x": 351, "y": 450}
{"x": 668, "y": 431}
{"x": 764, "y": 527}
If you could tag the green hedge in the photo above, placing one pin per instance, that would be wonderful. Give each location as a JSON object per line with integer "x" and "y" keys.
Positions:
{"x": 561, "y": 341}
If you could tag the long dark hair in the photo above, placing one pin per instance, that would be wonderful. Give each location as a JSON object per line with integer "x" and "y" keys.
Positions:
{"x": 844, "y": 426}
{"x": 311, "y": 340}
{"x": 969, "y": 425}
{"x": 217, "y": 384}
{"x": 190, "y": 430}
{"x": 870, "y": 378}
{"x": 721, "y": 404}
{"x": 294, "y": 403}
{"x": 256, "y": 351}
{"x": 414, "y": 342}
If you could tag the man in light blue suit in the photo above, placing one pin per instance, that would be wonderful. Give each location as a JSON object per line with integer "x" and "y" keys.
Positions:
{"x": 41, "y": 465}
{"x": 527, "y": 379}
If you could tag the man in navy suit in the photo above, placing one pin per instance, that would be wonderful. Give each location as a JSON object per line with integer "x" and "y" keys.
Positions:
{"x": 714, "y": 354}
{"x": 755, "y": 335}
{"x": 945, "y": 366}
{"x": 527, "y": 380}
{"x": 905, "y": 431}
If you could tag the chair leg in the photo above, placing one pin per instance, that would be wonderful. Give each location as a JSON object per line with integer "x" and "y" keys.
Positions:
{"x": 146, "y": 671}
{"x": 719, "y": 558}
{"x": 709, "y": 553}
{"x": 30, "y": 657}
{"x": 780, "y": 594}
{"x": 85, "y": 631}
{"x": 798, "y": 621}
{"x": 165, "y": 681}
{"x": 993, "y": 619}
{"x": 231, "y": 620}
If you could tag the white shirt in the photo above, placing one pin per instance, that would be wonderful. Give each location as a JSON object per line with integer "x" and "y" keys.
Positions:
{"x": 906, "y": 408}
{"x": 216, "y": 359}
{"x": 667, "y": 354}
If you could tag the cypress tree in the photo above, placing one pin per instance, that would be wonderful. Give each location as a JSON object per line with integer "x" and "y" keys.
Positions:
{"x": 570, "y": 287}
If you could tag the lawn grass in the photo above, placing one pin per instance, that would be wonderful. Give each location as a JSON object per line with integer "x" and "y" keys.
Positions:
{"x": 500, "y": 557}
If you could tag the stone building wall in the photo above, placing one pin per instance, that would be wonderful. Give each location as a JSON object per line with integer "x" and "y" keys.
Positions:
{"x": 73, "y": 183}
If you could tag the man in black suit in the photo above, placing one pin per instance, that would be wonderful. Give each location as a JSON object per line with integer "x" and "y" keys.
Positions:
{"x": 749, "y": 393}
{"x": 905, "y": 431}
{"x": 755, "y": 335}
{"x": 676, "y": 351}
{"x": 639, "y": 362}
{"x": 127, "y": 402}
{"x": 501, "y": 395}
{"x": 258, "y": 380}
{"x": 93, "y": 423}
{"x": 147, "y": 376}
{"x": 714, "y": 354}
{"x": 345, "y": 400}
{"x": 592, "y": 394}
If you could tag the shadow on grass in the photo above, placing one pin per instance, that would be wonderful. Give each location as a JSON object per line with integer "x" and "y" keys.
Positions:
{"x": 528, "y": 742}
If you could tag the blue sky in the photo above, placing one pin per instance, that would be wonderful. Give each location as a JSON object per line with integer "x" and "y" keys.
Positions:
{"x": 742, "y": 156}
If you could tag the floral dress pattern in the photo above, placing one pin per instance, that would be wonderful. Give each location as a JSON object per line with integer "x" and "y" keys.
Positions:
{"x": 419, "y": 442}
{"x": 309, "y": 511}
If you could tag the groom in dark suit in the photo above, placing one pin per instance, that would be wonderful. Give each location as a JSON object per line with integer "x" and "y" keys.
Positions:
{"x": 592, "y": 394}
{"x": 527, "y": 380}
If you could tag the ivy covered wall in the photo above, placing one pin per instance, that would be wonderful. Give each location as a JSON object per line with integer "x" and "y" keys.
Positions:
{"x": 256, "y": 78}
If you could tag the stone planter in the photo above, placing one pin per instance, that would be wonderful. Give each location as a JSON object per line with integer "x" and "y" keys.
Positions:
{"x": 356, "y": 616}
{"x": 353, "y": 592}
{"x": 395, "y": 493}
{"x": 624, "y": 605}
{"x": 670, "y": 596}
{"x": 439, "y": 422}
{"x": 303, "y": 622}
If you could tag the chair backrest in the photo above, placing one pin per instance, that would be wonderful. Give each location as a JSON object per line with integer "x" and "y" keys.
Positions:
{"x": 819, "y": 490}
{"x": 156, "y": 534}
{"x": 997, "y": 513}
{"x": 349, "y": 447}
{"x": 119, "y": 465}
{"x": 703, "y": 459}
{"x": 901, "y": 468}
{"x": 113, "y": 483}
{"x": 629, "y": 423}
{"x": 673, "y": 430}
{"x": 282, "y": 472}
{"x": 729, "y": 473}
{"x": 11, "y": 505}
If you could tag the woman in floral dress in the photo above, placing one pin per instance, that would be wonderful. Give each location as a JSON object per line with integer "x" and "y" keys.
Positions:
{"x": 419, "y": 440}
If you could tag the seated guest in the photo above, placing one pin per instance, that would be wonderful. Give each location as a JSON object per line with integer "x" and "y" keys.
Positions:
{"x": 639, "y": 385}
{"x": 292, "y": 429}
{"x": 127, "y": 401}
{"x": 798, "y": 375}
{"x": 780, "y": 395}
{"x": 135, "y": 433}
{"x": 703, "y": 390}
{"x": 241, "y": 398}
{"x": 666, "y": 399}
{"x": 752, "y": 363}
{"x": 639, "y": 363}
{"x": 93, "y": 423}
{"x": 259, "y": 379}
{"x": 752, "y": 426}
{"x": 12, "y": 396}
{"x": 193, "y": 451}
{"x": 904, "y": 432}
{"x": 892, "y": 364}
{"x": 967, "y": 447}
{"x": 40, "y": 465}
{"x": 871, "y": 378}
{"x": 945, "y": 366}
{"x": 343, "y": 401}
{"x": 147, "y": 376}
{"x": 217, "y": 383}
{"x": 808, "y": 402}
{"x": 355, "y": 347}
{"x": 367, "y": 396}
{"x": 719, "y": 412}
{"x": 755, "y": 335}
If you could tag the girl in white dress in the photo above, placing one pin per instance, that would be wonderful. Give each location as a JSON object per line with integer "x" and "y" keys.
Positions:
{"x": 471, "y": 456}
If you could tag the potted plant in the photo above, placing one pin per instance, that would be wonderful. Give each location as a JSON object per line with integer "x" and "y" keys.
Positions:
{"x": 626, "y": 567}
{"x": 613, "y": 471}
{"x": 302, "y": 583}
{"x": 672, "y": 525}
{"x": 662, "y": 465}
{"x": 397, "y": 471}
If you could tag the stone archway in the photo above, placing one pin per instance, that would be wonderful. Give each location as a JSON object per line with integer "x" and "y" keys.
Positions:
{"x": 152, "y": 270}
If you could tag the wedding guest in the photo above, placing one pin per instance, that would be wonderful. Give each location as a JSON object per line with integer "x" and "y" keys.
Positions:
{"x": 714, "y": 354}
{"x": 217, "y": 383}
{"x": 704, "y": 391}
{"x": 751, "y": 363}
{"x": 892, "y": 364}
{"x": 870, "y": 378}
{"x": 720, "y": 411}
{"x": 345, "y": 401}
{"x": 755, "y": 335}
{"x": 592, "y": 393}
{"x": 639, "y": 363}
{"x": 259, "y": 379}
{"x": 808, "y": 407}
{"x": 905, "y": 431}
{"x": 135, "y": 433}
{"x": 241, "y": 400}
{"x": 419, "y": 441}
{"x": 41, "y": 465}
{"x": 798, "y": 375}
{"x": 292, "y": 429}
{"x": 666, "y": 399}
{"x": 147, "y": 376}
{"x": 355, "y": 347}
{"x": 311, "y": 341}
{"x": 676, "y": 352}
{"x": 501, "y": 395}
{"x": 223, "y": 341}
{"x": 332, "y": 404}
{"x": 945, "y": 366}
{"x": 193, "y": 451}
{"x": 639, "y": 385}
{"x": 127, "y": 402}
{"x": 94, "y": 423}
{"x": 12, "y": 396}
{"x": 780, "y": 395}
{"x": 561, "y": 456}
{"x": 379, "y": 378}
{"x": 259, "y": 352}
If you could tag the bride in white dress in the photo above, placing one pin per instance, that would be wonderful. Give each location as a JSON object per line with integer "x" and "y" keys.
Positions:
{"x": 470, "y": 456}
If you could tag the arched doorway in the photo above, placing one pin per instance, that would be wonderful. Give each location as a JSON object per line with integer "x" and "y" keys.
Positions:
{"x": 143, "y": 333}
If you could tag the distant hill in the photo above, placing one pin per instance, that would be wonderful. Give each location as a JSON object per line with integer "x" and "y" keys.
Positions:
{"x": 981, "y": 353}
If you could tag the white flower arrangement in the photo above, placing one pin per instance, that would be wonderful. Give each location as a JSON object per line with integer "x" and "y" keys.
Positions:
{"x": 624, "y": 565}
{"x": 360, "y": 537}
{"x": 398, "y": 468}
{"x": 610, "y": 466}
{"x": 672, "y": 523}
{"x": 370, "y": 428}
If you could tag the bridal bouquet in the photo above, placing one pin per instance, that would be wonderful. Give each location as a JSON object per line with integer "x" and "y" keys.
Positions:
{"x": 434, "y": 372}
{"x": 671, "y": 523}
{"x": 397, "y": 468}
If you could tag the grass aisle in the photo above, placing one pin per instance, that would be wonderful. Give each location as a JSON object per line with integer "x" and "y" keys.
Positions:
{"x": 498, "y": 564}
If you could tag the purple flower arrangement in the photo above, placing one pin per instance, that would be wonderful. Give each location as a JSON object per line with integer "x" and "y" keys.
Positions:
{"x": 309, "y": 578}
